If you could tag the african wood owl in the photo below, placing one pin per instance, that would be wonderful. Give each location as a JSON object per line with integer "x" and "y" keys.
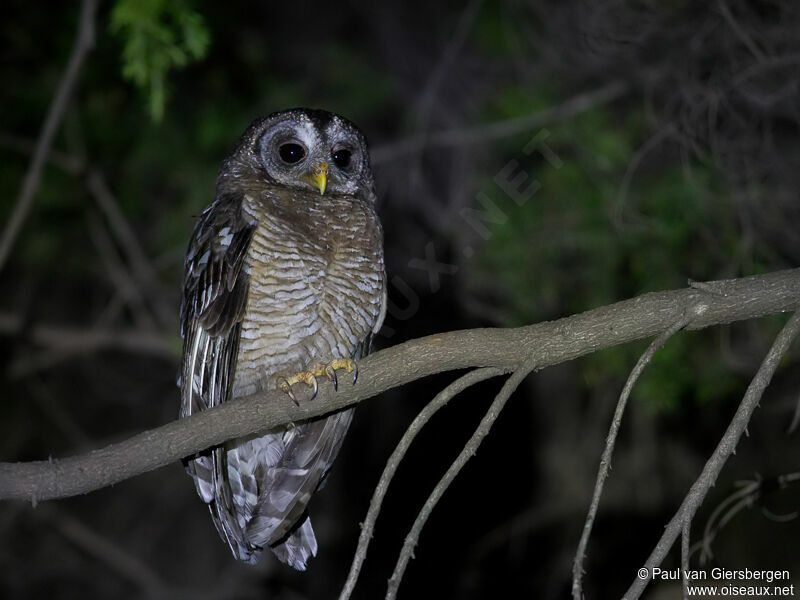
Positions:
{"x": 284, "y": 281}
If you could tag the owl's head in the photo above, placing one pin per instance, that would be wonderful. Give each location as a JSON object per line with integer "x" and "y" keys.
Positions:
{"x": 308, "y": 149}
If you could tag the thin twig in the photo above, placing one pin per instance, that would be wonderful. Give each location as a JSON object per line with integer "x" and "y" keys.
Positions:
{"x": 501, "y": 129}
{"x": 368, "y": 526}
{"x": 768, "y": 64}
{"x": 469, "y": 450}
{"x": 76, "y": 340}
{"x": 126, "y": 565}
{"x": 795, "y": 418}
{"x": 108, "y": 204}
{"x": 618, "y": 211}
{"x": 113, "y": 556}
{"x": 740, "y": 33}
{"x": 118, "y": 272}
{"x": 724, "y": 449}
{"x": 21, "y": 145}
{"x": 746, "y": 497}
{"x": 60, "y": 417}
{"x": 29, "y": 363}
{"x": 722, "y": 514}
{"x": 84, "y": 42}
{"x": 605, "y": 460}
{"x": 431, "y": 88}
{"x": 129, "y": 242}
{"x": 127, "y": 289}
{"x": 685, "y": 538}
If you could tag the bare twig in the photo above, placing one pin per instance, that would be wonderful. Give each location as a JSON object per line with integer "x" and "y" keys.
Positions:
{"x": 740, "y": 33}
{"x": 66, "y": 162}
{"x": 501, "y": 129}
{"x": 685, "y": 539}
{"x": 84, "y": 41}
{"x": 127, "y": 289}
{"x": 368, "y": 526}
{"x": 144, "y": 272}
{"x": 769, "y": 63}
{"x": 724, "y": 449}
{"x": 469, "y": 450}
{"x": 103, "y": 550}
{"x": 118, "y": 273}
{"x": 795, "y": 419}
{"x": 29, "y": 363}
{"x": 96, "y": 184}
{"x": 723, "y": 513}
{"x": 653, "y": 142}
{"x": 75, "y": 340}
{"x": 545, "y": 343}
{"x": 431, "y": 89}
{"x": 605, "y": 460}
{"x": 55, "y": 412}
{"x": 746, "y": 497}
{"x": 126, "y": 565}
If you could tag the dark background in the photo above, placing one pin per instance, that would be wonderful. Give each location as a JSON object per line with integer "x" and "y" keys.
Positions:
{"x": 680, "y": 160}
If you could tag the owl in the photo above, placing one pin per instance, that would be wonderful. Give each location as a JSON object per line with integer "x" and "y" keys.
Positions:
{"x": 284, "y": 282}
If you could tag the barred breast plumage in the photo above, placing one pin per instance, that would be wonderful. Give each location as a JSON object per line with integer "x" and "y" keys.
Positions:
{"x": 316, "y": 286}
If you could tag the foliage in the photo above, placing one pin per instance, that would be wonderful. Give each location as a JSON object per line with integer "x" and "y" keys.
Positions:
{"x": 591, "y": 241}
{"x": 158, "y": 36}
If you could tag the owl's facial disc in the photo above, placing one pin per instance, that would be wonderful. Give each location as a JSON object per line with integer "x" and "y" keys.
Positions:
{"x": 299, "y": 150}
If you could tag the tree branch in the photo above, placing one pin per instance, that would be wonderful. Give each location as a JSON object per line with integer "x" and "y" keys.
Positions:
{"x": 544, "y": 344}
{"x": 368, "y": 526}
{"x": 605, "y": 460}
{"x": 469, "y": 450}
{"x": 686, "y": 536}
{"x": 490, "y": 132}
{"x": 726, "y": 447}
{"x": 76, "y": 340}
{"x": 129, "y": 242}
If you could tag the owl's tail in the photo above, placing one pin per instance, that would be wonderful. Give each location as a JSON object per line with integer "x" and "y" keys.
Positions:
{"x": 224, "y": 515}
{"x": 296, "y": 549}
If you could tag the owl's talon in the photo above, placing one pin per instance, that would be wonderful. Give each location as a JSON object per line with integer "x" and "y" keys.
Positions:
{"x": 347, "y": 364}
{"x": 331, "y": 373}
{"x": 286, "y": 387}
{"x": 309, "y": 377}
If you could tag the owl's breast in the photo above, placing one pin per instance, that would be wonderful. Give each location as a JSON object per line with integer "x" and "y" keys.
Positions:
{"x": 316, "y": 287}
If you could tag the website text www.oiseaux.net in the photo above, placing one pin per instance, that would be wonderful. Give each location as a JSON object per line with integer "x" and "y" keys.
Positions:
{"x": 751, "y": 583}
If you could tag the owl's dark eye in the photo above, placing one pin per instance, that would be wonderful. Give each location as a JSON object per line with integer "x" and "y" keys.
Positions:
{"x": 342, "y": 158}
{"x": 291, "y": 152}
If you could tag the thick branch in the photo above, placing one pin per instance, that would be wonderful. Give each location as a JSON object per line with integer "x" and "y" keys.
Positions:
{"x": 544, "y": 343}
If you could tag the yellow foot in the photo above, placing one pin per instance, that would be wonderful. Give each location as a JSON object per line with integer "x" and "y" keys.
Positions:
{"x": 310, "y": 377}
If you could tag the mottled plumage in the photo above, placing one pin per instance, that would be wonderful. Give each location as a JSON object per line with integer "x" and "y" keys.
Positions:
{"x": 284, "y": 272}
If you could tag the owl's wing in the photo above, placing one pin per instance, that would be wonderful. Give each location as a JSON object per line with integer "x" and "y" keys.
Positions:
{"x": 214, "y": 299}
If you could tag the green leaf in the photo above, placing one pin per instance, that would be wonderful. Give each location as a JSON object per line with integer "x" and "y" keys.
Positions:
{"x": 158, "y": 36}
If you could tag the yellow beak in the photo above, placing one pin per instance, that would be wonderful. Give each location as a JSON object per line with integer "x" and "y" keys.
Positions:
{"x": 319, "y": 177}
